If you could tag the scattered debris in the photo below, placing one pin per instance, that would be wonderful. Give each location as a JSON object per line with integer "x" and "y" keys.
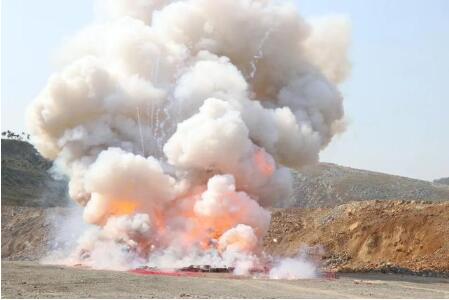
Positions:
{"x": 207, "y": 269}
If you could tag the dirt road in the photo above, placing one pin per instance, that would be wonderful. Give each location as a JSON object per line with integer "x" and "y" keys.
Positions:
{"x": 31, "y": 280}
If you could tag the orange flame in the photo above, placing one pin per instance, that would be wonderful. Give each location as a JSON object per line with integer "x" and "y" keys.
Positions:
{"x": 263, "y": 162}
{"x": 122, "y": 207}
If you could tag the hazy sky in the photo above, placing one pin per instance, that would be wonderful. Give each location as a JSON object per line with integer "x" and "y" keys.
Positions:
{"x": 396, "y": 99}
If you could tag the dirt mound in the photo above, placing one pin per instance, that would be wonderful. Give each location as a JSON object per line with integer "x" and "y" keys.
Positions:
{"x": 329, "y": 185}
{"x": 368, "y": 235}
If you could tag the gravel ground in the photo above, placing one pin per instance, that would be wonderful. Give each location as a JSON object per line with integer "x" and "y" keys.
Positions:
{"x": 30, "y": 280}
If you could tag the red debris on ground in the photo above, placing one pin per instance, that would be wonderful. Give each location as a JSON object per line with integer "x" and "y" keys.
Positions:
{"x": 196, "y": 271}
{"x": 152, "y": 271}
{"x": 330, "y": 275}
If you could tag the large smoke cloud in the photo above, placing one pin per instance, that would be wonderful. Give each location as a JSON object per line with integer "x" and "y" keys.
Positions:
{"x": 176, "y": 123}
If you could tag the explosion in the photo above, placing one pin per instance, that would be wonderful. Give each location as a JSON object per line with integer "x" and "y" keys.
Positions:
{"x": 176, "y": 123}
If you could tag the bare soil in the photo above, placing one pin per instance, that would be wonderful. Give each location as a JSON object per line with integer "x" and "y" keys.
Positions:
{"x": 26, "y": 231}
{"x": 31, "y": 280}
{"x": 389, "y": 236}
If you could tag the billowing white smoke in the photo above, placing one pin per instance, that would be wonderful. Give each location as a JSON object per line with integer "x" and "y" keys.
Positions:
{"x": 177, "y": 121}
{"x": 298, "y": 267}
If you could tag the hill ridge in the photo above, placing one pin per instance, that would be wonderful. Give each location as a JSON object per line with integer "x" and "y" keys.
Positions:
{"x": 26, "y": 181}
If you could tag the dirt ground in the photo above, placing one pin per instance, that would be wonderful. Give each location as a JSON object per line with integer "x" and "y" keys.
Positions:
{"x": 31, "y": 280}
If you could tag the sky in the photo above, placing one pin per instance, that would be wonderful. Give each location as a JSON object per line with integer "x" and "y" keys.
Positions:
{"x": 396, "y": 98}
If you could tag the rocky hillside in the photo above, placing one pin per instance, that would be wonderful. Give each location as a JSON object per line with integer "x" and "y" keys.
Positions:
{"x": 363, "y": 236}
{"x": 26, "y": 180}
{"x": 25, "y": 232}
{"x": 328, "y": 185}
{"x": 444, "y": 180}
